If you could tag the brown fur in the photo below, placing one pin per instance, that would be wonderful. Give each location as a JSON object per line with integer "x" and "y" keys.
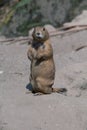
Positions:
{"x": 40, "y": 53}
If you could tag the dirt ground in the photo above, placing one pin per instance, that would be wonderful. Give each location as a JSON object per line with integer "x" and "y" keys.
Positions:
{"x": 20, "y": 110}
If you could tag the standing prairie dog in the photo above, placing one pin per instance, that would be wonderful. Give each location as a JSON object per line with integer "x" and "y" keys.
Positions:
{"x": 40, "y": 53}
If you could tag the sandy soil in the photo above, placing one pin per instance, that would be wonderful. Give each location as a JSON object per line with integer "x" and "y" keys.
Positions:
{"x": 22, "y": 111}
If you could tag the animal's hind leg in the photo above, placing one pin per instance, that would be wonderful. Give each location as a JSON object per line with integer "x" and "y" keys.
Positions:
{"x": 44, "y": 88}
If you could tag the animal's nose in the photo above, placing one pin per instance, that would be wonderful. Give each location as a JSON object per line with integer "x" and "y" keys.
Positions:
{"x": 38, "y": 33}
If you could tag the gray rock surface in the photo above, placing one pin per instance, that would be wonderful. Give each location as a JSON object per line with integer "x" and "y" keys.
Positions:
{"x": 80, "y": 20}
{"x": 22, "y": 111}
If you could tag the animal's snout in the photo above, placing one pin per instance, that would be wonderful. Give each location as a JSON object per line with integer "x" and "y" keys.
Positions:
{"x": 38, "y": 33}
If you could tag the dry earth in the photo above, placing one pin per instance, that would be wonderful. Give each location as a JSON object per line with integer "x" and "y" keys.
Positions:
{"x": 22, "y": 111}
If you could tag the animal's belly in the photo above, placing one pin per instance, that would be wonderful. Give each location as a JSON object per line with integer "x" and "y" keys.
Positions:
{"x": 45, "y": 69}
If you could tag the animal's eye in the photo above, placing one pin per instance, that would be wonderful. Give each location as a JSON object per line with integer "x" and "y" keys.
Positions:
{"x": 43, "y": 29}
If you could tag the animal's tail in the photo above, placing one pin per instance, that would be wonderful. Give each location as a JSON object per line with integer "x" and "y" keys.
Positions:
{"x": 59, "y": 90}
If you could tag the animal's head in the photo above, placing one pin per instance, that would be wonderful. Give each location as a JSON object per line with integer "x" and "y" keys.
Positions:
{"x": 40, "y": 34}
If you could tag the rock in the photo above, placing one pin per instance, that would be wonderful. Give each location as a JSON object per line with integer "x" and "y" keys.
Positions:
{"x": 50, "y": 28}
{"x": 80, "y": 20}
{"x": 75, "y": 78}
{"x": 21, "y": 111}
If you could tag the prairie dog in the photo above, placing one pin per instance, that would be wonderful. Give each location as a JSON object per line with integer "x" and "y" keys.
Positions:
{"x": 40, "y": 53}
